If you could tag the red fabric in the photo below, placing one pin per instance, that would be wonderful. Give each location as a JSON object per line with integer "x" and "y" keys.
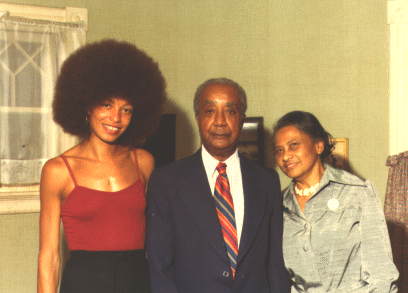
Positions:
{"x": 103, "y": 221}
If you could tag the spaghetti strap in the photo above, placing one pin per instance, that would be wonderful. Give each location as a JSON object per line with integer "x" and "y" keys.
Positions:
{"x": 69, "y": 169}
{"x": 137, "y": 163}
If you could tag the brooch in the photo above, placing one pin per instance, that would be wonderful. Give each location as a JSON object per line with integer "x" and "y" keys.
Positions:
{"x": 333, "y": 204}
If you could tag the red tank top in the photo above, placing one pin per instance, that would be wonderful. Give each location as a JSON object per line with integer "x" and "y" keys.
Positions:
{"x": 103, "y": 221}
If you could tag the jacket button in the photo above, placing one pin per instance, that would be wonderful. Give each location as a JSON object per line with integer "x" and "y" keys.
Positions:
{"x": 225, "y": 274}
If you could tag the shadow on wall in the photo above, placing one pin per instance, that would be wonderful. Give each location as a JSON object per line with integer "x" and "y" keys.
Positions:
{"x": 163, "y": 144}
{"x": 185, "y": 134}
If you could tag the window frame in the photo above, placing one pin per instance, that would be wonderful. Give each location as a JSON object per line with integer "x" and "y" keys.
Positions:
{"x": 26, "y": 199}
{"x": 397, "y": 13}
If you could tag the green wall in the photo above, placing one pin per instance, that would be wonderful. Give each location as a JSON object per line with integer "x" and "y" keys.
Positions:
{"x": 329, "y": 58}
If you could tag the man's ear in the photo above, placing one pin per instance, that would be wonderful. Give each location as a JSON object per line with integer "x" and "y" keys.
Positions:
{"x": 242, "y": 120}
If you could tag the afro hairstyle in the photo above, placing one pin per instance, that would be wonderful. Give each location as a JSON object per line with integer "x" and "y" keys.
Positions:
{"x": 105, "y": 69}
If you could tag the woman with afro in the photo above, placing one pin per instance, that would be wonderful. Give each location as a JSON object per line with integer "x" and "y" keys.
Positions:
{"x": 109, "y": 94}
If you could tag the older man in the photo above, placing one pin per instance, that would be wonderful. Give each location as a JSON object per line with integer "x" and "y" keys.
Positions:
{"x": 214, "y": 220}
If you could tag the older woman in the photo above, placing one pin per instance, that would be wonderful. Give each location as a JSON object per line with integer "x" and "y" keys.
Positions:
{"x": 335, "y": 236}
{"x": 109, "y": 94}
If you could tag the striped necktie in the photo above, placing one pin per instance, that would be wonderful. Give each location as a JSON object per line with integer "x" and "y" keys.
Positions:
{"x": 226, "y": 215}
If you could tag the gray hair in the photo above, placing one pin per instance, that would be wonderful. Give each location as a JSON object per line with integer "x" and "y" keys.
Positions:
{"x": 220, "y": 81}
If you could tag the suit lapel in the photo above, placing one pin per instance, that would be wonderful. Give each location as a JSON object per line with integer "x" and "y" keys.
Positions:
{"x": 255, "y": 206}
{"x": 197, "y": 195}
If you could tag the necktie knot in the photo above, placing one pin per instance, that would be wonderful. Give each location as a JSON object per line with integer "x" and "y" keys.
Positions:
{"x": 221, "y": 168}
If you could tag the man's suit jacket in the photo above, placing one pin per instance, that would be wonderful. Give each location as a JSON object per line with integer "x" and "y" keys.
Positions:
{"x": 185, "y": 246}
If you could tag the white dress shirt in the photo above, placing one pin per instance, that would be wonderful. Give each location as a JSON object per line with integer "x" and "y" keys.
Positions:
{"x": 235, "y": 183}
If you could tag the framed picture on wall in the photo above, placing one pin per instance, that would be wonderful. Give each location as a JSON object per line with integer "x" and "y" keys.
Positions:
{"x": 251, "y": 141}
{"x": 339, "y": 156}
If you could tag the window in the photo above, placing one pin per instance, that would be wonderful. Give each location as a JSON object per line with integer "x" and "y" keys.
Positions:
{"x": 34, "y": 42}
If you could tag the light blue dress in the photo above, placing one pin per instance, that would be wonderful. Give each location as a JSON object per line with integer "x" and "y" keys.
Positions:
{"x": 340, "y": 242}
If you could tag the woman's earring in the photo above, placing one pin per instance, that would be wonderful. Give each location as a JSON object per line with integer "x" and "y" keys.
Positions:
{"x": 86, "y": 119}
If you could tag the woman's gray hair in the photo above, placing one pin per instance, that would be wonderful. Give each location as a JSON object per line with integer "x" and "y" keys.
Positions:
{"x": 220, "y": 81}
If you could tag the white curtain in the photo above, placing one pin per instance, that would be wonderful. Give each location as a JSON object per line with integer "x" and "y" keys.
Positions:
{"x": 31, "y": 54}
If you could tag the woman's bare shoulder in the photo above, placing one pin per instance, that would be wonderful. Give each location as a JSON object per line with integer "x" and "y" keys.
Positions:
{"x": 54, "y": 177}
{"x": 144, "y": 156}
{"x": 146, "y": 163}
{"x": 57, "y": 164}
{"x": 75, "y": 151}
{"x": 54, "y": 165}
{"x": 55, "y": 174}
{"x": 72, "y": 156}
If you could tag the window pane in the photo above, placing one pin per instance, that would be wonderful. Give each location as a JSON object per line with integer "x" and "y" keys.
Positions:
{"x": 21, "y": 137}
{"x": 21, "y": 62}
{"x": 28, "y": 94}
{"x": 5, "y": 86}
{"x": 5, "y": 83}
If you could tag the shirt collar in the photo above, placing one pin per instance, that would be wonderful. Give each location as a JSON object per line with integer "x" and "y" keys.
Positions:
{"x": 339, "y": 176}
{"x": 210, "y": 163}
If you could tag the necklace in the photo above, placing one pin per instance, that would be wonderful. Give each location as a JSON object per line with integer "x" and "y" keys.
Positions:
{"x": 307, "y": 191}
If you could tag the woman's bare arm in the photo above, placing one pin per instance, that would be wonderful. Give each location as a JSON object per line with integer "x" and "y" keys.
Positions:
{"x": 52, "y": 184}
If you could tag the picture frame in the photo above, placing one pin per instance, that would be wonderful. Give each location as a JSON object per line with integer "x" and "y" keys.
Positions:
{"x": 339, "y": 156}
{"x": 251, "y": 141}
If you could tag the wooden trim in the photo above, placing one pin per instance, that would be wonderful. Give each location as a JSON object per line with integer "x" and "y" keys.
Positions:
{"x": 67, "y": 14}
{"x": 17, "y": 200}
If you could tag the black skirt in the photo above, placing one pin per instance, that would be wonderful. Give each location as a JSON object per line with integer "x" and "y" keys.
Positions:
{"x": 106, "y": 272}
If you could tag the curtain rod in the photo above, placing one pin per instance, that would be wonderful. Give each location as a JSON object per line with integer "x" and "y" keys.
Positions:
{"x": 5, "y": 16}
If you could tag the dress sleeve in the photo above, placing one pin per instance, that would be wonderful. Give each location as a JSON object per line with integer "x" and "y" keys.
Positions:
{"x": 378, "y": 269}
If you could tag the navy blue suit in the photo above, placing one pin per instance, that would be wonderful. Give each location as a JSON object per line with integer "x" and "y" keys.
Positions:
{"x": 185, "y": 246}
